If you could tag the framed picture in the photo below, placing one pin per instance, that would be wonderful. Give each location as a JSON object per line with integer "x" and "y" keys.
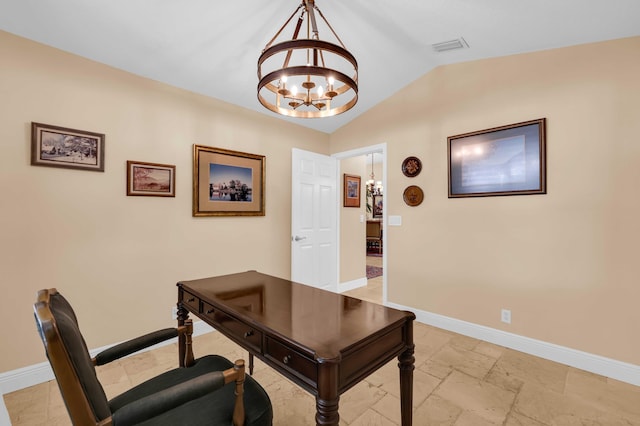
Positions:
{"x": 507, "y": 160}
{"x": 151, "y": 179}
{"x": 55, "y": 146}
{"x": 227, "y": 183}
{"x": 351, "y": 191}
{"x": 377, "y": 206}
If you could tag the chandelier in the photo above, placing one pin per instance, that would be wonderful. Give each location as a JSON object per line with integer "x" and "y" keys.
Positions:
{"x": 304, "y": 76}
{"x": 373, "y": 187}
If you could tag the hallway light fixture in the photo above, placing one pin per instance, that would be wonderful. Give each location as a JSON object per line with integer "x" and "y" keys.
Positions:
{"x": 374, "y": 187}
{"x": 307, "y": 77}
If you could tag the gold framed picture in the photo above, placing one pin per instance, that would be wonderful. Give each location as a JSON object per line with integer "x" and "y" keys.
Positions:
{"x": 227, "y": 183}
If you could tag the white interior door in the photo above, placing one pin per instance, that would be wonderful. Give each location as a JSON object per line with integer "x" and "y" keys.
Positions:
{"x": 314, "y": 251}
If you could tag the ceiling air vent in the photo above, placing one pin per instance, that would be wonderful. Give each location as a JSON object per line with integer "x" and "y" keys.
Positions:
{"x": 459, "y": 43}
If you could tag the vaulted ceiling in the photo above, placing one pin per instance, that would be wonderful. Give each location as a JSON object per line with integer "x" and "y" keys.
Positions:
{"x": 211, "y": 47}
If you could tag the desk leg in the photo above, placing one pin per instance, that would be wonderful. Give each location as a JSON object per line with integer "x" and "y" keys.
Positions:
{"x": 406, "y": 365}
{"x": 183, "y": 315}
{"x": 328, "y": 398}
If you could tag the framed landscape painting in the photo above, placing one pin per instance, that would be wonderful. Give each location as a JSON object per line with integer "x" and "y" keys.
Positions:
{"x": 151, "y": 179}
{"x": 55, "y": 146}
{"x": 506, "y": 160}
{"x": 351, "y": 191}
{"x": 227, "y": 183}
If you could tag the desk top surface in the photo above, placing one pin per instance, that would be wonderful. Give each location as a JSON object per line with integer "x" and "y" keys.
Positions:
{"x": 323, "y": 322}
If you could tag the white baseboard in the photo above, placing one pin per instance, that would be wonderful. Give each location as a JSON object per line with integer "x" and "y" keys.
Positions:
{"x": 608, "y": 367}
{"x": 39, "y": 373}
{"x": 352, "y": 285}
{"x": 4, "y": 415}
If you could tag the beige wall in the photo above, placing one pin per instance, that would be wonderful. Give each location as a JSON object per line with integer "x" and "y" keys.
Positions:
{"x": 117, "y": 258}
{"x": 565, "y": 263}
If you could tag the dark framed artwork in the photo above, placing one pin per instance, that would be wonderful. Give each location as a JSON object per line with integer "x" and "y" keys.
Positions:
{"x": 55, "y": 146}
{"x": 377, "y": 206}
{"x": 227, "y": 183}
{"x": 151, "y": 179}
{"x": 351, "y": 191}
{"x": 506, "y": 160}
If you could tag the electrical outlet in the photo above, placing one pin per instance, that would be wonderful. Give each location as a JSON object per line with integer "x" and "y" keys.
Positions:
{"x": 505, "y": 316}
{"x": 174, "y": 312}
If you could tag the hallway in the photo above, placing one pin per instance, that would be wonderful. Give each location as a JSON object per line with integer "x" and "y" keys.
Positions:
{"x": 373, "y": 290}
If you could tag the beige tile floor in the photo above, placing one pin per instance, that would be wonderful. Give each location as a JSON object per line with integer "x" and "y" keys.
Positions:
{"x": 457, "y": 381}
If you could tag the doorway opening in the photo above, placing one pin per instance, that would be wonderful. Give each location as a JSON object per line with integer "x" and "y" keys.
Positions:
{"x": 374, "y": 212}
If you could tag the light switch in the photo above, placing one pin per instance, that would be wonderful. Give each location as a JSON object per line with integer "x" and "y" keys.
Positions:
{"x": 395, "y": 220}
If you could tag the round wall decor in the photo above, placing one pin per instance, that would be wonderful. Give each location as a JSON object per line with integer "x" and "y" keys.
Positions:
{"x": 413, "y": 195}
{"x": 411, "y": 166}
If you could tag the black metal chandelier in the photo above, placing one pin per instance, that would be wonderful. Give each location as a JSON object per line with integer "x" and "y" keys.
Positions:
{"x": 307, "y": 77}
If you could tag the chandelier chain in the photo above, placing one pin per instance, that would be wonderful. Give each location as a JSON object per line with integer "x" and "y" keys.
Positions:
{"x": 284, "y": 26}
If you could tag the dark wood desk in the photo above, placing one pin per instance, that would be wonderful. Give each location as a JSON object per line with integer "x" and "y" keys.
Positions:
{"x": 325, "y": 342}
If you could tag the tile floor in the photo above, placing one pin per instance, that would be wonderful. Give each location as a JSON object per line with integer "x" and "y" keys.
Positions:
{"x": 458, "y": 381}
{"x": 373, "y": 290}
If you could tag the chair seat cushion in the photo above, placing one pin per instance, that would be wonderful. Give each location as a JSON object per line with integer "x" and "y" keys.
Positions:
{"x": 205, "y": 410}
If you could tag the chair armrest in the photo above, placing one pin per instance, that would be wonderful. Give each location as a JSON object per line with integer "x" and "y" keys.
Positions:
{"x": 153, "y": 405}
{"x": 134, "y": 345}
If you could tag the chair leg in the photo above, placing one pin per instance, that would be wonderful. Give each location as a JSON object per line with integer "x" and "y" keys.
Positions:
{"x": 238, "y": 411}
{"x": 188, "y": 344}
{"x": 250, "y": 364}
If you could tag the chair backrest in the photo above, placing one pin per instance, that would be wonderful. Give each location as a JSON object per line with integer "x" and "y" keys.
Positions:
{"x": 70, "y": 360}
{"x": 373, "y": 229}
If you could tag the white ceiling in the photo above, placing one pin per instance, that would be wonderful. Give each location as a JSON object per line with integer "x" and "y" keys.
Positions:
{"x": 211, "y": 47}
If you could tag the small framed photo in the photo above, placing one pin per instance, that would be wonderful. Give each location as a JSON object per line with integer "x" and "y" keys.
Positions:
{"x": 377, "y": 206}
{"x": 351, "y": 191}
{"x": 507, "y": 160}
{"x": 151, "y": 179}
{"x": 227, "y": 183}
{"x": 54, "y": 146}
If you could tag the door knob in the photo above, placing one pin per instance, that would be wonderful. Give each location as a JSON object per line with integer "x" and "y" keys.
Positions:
{"x": 297, "y": 238}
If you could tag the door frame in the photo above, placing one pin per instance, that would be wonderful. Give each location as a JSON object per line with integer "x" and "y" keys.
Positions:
{"x": 378, "y": 149}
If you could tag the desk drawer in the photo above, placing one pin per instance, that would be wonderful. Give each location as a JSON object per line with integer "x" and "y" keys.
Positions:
{"x": 242, "y": 331}
{"x": 291, "y": 360}
{"x": 191, "y": 301}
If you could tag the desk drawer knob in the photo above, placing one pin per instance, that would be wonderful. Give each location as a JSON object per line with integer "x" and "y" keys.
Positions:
{"x": 210, "y": 311}
{"x": 286, "y": 359}
{"x": 191, "y": 299}
{"x": 248, "y": 334}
